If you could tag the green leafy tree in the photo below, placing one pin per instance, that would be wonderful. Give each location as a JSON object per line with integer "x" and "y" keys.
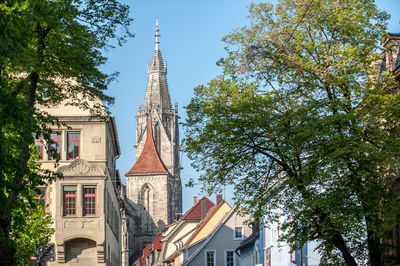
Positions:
{"x": 299, "y": 123}
{"x": 50, "y": 51}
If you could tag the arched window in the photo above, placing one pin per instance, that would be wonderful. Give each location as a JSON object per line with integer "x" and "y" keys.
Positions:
{"x": 147, "y": 205}
{"x": 146, "y": 198}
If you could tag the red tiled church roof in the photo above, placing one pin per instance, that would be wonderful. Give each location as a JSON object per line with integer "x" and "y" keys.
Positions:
{"x": 194, "y": 213}
{"x": 149, "y": 162}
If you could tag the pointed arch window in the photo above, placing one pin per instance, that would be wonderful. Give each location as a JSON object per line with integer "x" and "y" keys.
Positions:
{"x": 146, "y": 197}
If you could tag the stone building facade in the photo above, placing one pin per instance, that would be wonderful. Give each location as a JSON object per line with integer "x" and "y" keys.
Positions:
{"x": 85, "y": 204}
{"x": 154, "y": 190}
{"x": 391, "y": 63}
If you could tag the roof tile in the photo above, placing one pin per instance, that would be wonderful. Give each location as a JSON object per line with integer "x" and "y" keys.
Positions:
{"x": 149, "y": 162}
{"x": 194, "y": 213}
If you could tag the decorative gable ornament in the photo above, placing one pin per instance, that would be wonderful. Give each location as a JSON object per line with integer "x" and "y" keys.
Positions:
{"x": 80, "y": 167}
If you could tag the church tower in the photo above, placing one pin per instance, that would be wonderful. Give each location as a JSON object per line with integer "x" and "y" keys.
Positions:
{"x": 154, "y": 187}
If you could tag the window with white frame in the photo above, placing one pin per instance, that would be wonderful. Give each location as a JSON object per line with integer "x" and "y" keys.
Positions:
{"x": 229, "y": 258}
{"x": 238, "y": 233}
{"x": 210, "y": 258}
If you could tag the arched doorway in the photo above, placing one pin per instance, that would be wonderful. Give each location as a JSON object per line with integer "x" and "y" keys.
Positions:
{"x": 80, "y": 251}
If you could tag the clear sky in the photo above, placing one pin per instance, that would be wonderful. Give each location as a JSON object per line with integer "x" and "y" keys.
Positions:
{"x": 190, "y": 42}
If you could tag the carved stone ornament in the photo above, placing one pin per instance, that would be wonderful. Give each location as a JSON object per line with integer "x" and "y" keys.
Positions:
{"x": 80, "y": 167}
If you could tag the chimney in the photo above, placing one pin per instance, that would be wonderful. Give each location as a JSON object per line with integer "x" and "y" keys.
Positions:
{"x": 203, "y": 208}
{"x": 219, "y": 198}
{"x": 194, "y": 200}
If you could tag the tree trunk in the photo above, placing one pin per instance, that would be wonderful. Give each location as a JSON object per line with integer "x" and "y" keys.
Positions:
{"x": 6, "y": 252}
{"x": 374, "y": 246}
{"x": 338, "y": 241}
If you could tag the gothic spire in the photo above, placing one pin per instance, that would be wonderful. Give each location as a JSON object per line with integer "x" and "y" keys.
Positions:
{"x": 157, "y": 94}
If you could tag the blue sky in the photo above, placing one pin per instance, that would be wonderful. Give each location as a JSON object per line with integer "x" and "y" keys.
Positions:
{"x": 190, "y": 42}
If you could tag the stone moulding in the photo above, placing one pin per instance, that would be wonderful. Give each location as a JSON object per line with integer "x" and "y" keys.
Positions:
{"x": 80, "y": 167}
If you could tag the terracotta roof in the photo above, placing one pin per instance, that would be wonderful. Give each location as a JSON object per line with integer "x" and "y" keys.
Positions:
{"x": 194, "y": 213}
{"x": 157, "y": 242}
{"x": 149, "y": 162}
{"x": 141, "y": 261}
{"x": 197, "y": 229}
{"x": 146, "y": 250}
{"x": 210, "y": 214}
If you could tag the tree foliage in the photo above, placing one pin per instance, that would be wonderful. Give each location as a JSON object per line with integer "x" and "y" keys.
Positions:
{"x": 299, "y": 123}
{"x": 50, "y": 51}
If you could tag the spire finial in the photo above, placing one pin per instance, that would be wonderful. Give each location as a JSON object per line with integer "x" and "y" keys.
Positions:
{"x": 157, "y": 34}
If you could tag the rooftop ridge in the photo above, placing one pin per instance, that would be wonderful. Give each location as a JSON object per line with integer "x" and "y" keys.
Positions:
{"x": 194, "y": 213}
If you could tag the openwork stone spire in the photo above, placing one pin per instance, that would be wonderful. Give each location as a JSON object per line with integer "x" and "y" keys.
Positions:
{"x": 157, "y": 94}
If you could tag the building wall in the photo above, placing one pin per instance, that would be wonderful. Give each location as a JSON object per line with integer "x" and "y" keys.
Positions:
{"x": 82, "y": 238}
{"x": 181, "y": 229}
{"x": 211, "y": 223}
{"x": 281, "y": 252}
{"x": 223, "y": 240}
{"x": 150, "y": 215}
{"x": 166, "y": 139}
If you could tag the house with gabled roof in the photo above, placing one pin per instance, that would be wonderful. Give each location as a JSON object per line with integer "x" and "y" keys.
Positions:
{"x": 219, "y": 247}
{"x": 206, "y": 227}
{"x": 165, "y": 242}
{"x": 185, "y": 225}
